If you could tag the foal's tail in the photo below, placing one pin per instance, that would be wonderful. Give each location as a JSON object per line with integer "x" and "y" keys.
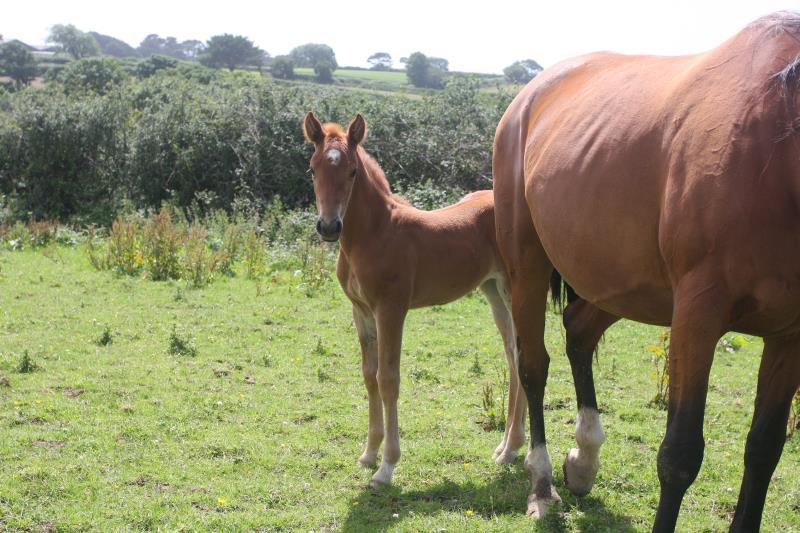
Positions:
{"x": 559, "y": 289}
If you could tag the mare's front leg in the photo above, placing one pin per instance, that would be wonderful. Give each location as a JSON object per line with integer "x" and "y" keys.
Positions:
{"x": 585, "y": 325}
{"x": 697, "y": 324}
{"x": 390, "y": 319}
{"x": 368, "y": 338}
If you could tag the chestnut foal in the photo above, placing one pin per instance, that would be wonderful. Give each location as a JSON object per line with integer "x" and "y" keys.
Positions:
{"x": 394, "y": 257}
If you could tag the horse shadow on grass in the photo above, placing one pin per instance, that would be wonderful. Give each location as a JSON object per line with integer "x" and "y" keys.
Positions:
{"x": 504, "y": 495}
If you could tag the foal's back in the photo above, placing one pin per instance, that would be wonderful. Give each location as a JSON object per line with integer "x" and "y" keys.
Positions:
{"x": 451, "y": 250}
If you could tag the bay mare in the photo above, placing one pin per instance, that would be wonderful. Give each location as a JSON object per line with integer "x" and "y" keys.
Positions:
{"x": 394, "y": 257}
{"x": 664, "y": 190}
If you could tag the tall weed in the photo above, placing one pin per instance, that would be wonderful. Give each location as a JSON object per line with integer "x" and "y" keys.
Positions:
{"x": 162, "y": 247}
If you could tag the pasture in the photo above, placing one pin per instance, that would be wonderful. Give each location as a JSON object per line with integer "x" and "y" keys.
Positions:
{"x": 240, "y": 406}
{"x": 377, "y": 79}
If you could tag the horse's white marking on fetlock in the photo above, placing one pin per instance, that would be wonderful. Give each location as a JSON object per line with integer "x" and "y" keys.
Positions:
{"x": 334, "y": 156}
{"x": 384, "y": 475}
{"x": 582, "y": 463}
{"x": 588, "y": 431}
{"x": 537, "y": 464}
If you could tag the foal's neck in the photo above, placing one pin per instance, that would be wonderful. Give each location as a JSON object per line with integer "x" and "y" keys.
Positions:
{"x": 370, "y": 206}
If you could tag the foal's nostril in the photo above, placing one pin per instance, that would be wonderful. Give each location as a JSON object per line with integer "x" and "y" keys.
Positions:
{"x": 338, "y": 226}
{"x": 319, "y": 225}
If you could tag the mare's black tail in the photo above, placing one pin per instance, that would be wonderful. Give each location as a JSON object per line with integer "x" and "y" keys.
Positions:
{"x": 559, "y": 289}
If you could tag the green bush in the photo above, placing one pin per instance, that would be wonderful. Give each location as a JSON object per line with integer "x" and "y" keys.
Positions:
{"x": 94, "y": 74}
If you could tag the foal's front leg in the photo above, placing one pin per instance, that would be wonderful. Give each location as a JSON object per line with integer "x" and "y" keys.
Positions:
{"x": 368, "y": 338}
{"x": 390, "y": 321}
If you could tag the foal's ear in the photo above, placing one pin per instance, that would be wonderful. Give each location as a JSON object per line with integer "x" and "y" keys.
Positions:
{"x": 312, "y": 128}
{"x": 356, "y": 131}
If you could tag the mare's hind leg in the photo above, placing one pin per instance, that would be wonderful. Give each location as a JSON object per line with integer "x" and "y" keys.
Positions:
{"x": 585, "y": 325}
{"x": 529, "y": 286}
{"x": 368, "y": 338}
{"x": 778, "y": 380}
{"x": 498, "y": 297}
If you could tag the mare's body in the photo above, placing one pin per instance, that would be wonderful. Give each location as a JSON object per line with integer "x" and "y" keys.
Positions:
{"x": 665, "y": 190}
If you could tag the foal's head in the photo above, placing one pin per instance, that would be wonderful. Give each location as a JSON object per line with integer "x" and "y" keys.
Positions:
{"x": 333, "y": 169}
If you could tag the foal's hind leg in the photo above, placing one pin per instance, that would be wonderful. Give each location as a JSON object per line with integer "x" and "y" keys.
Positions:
{"x": 368, "y": 338}
{"x": 496, "y": 293}
{"x": 778, "y": 379}
{"x": 585, "y": 325}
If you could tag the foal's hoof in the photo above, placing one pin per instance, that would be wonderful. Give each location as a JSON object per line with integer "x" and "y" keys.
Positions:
{"x": 378, "y": 484}
{"x": 383, "y": 477}
{"x": 506, "y": 457}
{"x": 579, "y": 472}
{"x": 367, "y": 460}
{"x": 499, "y": 450}
{"x": 539, "y": 505}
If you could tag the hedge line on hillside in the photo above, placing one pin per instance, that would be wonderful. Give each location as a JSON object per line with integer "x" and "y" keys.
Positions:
{"x": 71, "y": 153}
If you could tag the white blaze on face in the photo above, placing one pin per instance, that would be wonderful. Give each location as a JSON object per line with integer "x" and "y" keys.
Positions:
{"x": 334, "y": 156}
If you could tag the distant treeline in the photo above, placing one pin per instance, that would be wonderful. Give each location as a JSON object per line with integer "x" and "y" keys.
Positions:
{"x": 82, "y": 151}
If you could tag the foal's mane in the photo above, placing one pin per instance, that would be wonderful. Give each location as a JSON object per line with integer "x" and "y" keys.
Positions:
{"x": 336, "y": 136}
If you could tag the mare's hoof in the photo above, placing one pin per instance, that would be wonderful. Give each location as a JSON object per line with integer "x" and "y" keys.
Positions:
{"x": 579, "y": 473}
{"x": 539, "y": 505}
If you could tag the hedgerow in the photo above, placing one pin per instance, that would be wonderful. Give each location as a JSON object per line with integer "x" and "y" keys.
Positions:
{"x": 73, "y": 154}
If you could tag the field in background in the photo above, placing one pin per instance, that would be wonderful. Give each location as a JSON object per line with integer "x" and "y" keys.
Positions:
{"x": 396, "y": 78}
{"x": 396, "y": 81}
{"x": 240, "y": 406}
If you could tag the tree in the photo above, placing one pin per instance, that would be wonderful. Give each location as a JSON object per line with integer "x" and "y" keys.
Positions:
{"x": 282, "y": 68}
{"x": 439, "y": 63}
{"x": 17, "y": 62}
{"x": 96, "y": 74}
{"x": 73, "y": 41}
{"x": 112, "y": 46}
{"x": 522, "y": 71}
{"x": 417, "y": 67}
{"x": 320, "y": 57}
{"x": 421, "y": 73}
{"x": 192, "y": 48}
{"x": 231, "y": 51}
{"x": 380, "y": 61}
{"x": 153, "y": 64}
{"x": 153, "y": 44}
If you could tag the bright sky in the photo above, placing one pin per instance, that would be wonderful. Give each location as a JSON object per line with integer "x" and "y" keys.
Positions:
{"x": 473, "y": 36}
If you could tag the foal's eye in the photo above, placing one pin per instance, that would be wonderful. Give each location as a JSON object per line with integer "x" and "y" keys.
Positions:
{"x": 310, "y": 173}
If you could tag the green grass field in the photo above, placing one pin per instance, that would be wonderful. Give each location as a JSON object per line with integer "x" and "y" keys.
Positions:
{"x": 260, "y": 430}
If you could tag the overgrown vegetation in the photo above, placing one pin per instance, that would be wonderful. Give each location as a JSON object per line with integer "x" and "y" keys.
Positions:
{"x": 97, "y": 142}
{"x": 660, "y": 357}
{"x": 493, "y": 400}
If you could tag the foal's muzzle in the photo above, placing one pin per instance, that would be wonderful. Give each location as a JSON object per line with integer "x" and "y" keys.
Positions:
{"x": 329, "y": 231}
